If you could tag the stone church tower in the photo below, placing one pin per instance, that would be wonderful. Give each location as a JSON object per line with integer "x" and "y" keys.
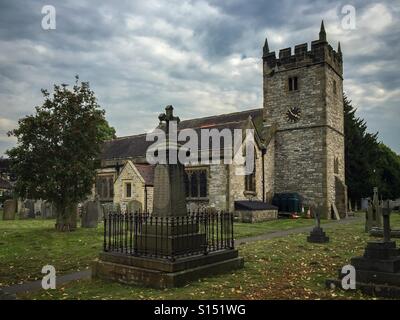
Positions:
{"x": 303, "y": 100}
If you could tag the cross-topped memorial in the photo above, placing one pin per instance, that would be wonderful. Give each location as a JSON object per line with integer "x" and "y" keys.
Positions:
{"x": 169, "y": 188}
{"x": 168, "y": 116}
{"x": 317, "y": 235}
{"x": 378, "y": 270}
{"x": 170, "y": 246}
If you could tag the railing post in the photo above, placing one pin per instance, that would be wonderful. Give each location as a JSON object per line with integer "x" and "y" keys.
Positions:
{"x": 204, "y": 218}
{"x": 105, "y": 234}
{"x": 136, "y": 234}
{"x": 173, "y": 226}
{"x": 231, "y": 225}
{"x": 130, "y": 232}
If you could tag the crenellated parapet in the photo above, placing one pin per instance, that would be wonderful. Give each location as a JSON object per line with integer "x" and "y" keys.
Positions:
{"x": 320, "y": 52}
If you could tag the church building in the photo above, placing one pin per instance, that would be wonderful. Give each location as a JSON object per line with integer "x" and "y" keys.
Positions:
{"x": 299, "y": 142}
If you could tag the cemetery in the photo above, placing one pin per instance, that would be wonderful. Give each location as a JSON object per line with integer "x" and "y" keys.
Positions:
{"x": 286, "y": 267}
{"x": 126, "y": 218}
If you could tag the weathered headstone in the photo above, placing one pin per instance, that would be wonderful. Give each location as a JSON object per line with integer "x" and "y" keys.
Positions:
{"x": 38, "y": 208}
{"x": 30, "y": 208}
{"x": 374, "y": 213}
{"x": 90, "y": 214}
{"x": 134, "y": 206}
{"x": 378, "y": 270}
{"x": 107, "y": 208}
{"x": 364, "y": 203}
{"x": 317, "y": 235}
{"x": 10, "y": 209}
{"x": 48, "y": 210}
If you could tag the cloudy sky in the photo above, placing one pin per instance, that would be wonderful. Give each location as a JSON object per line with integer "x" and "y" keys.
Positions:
{"x": 203, "y": 57}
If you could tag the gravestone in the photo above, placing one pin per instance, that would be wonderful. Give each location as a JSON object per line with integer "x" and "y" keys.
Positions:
{"x": 374, "y": 213}
{"x": 48, "y": 210}
{"x": 38, "y": 208}
{"x": 378, "y": 270}
{"x": 134, "y": 206}
{"x": 21, "y": 210}
{"x": 10, "y": 209}
{"x": 317, "y": 234}
{"x": 364, "y": 203}
{"x": 355, "y": 207}
{"x": 30, "y": 208}
{"x": 90, "y": 214}
{"x": 107, "y": 208}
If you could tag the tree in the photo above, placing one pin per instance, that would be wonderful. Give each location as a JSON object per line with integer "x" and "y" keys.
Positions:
{"x": 369, "y": 163}
{"x": 388, "y": 172}
{"x": 55, "y": 157}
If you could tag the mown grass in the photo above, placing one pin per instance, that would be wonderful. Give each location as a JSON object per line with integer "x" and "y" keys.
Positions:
{"x": 27, "y": 245}
{"x": 281, "y": 268}
{"x": 243, "y": 230}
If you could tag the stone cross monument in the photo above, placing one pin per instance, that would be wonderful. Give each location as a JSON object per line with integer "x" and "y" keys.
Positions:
{"x": 378, "y": 270}
{"x": 317, "y": 235}
{"x": 374, "y": 213}
{"x": 169, "y": 188}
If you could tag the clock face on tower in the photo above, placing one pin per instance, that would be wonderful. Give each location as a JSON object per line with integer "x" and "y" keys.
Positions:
{"x": 293, "y": 114}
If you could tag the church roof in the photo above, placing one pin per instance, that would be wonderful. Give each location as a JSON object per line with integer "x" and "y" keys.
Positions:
{"x": 147, "y": 173}
{"x": 136, "y": 145}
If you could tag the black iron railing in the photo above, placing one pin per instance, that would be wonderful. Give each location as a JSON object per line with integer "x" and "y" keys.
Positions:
{"x": 141, "y": 234}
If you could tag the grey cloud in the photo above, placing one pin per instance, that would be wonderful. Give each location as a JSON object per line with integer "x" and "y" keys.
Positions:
{"x": 201, "y": 56}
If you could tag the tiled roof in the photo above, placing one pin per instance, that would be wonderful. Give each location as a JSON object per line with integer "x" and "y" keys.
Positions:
{"x": 147, "y": 172}
{"x": 136, "y": 146}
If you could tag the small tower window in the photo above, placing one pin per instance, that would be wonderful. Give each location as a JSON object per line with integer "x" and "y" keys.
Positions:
{"x": 293, "y": 84}
{"x": 334, "y": 87}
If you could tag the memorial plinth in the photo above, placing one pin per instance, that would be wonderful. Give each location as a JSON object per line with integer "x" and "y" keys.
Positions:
{"x": 170, "y": 247}
{"x": 378, "y": 270}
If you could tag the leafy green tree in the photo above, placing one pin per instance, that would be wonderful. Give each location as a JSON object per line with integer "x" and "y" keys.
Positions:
{"x": 55, "y": 157}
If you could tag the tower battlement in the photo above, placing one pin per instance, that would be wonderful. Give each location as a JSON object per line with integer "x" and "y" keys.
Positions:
{"x": 303, "y": 99}
{"x": 321, "y": 52}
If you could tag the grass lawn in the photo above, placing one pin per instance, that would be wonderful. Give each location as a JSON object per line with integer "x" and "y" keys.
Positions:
{"x": 278, "y": 268}
{"x": 243, "y": 230}
{"x": 27, "y": 245}
{"x": 281, "y": 268}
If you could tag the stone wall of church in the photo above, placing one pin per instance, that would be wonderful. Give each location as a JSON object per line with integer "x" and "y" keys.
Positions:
{"x": 335, "y": 140}
{"x": 300, "y": 163}
{"x": 217, "y": 193}
{"x": 335, "y": 154}
{"x": 237, "y": 181}
{"x": 225, "y": 185}
{"x": 150, "y": 192}
{"x": 334, "y": 100}
{"x": 128, "y": 174}
{"x": 269, "y": 163}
